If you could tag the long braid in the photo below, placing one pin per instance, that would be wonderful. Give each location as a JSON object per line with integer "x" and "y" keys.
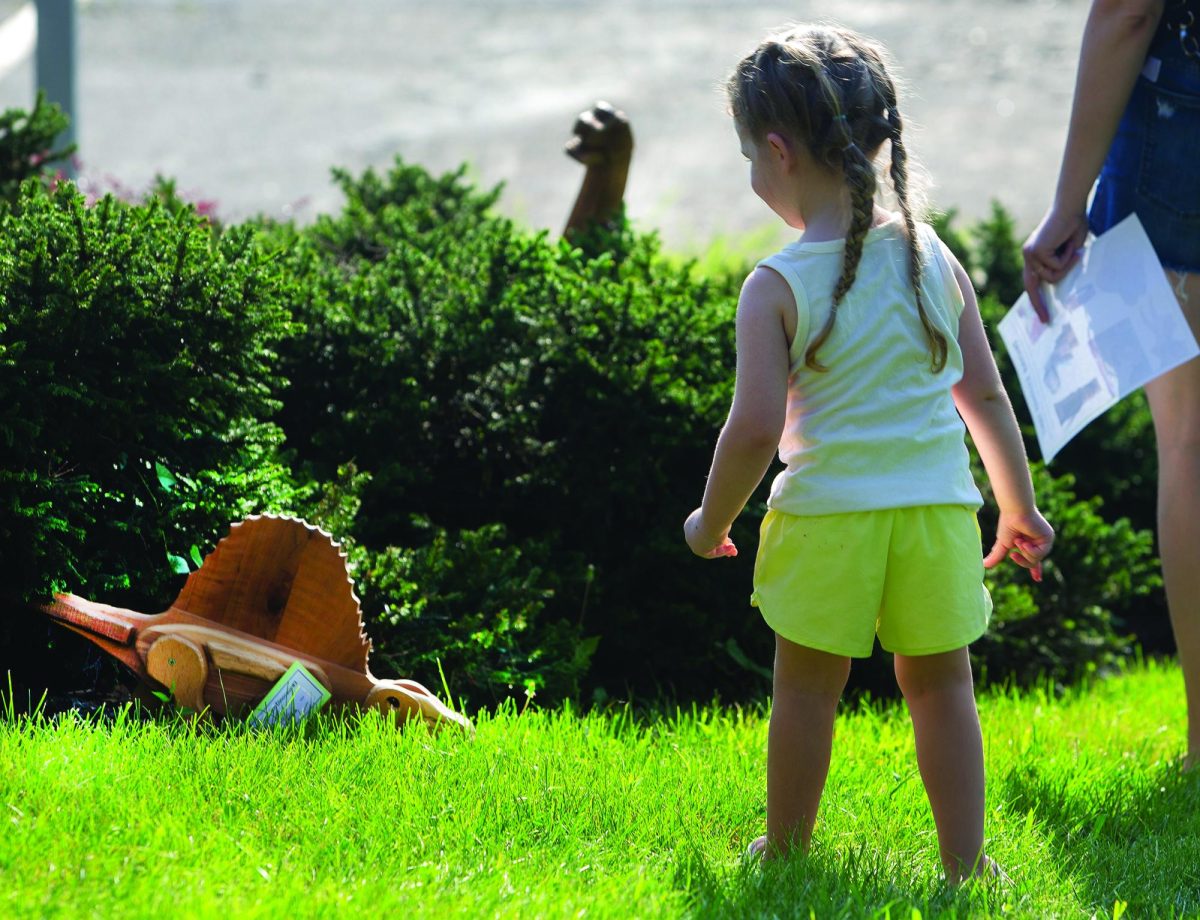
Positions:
{"x": 899, "y": 172}
{"x": 842, "y": 152}
{"x": 860, "y": 179}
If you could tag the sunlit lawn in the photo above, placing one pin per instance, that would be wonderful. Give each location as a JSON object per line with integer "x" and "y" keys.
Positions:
{"x": 554, "y": 814}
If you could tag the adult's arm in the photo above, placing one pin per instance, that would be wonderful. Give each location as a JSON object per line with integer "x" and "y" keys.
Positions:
{"x": 1115, "y": 40}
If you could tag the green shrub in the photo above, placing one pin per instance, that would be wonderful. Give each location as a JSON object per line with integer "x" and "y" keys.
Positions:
{"x": 463, "y": 606}
{"x": 1113, "y": 457}
{"x": 995, "y": 256}
{"x": 506, "y": 431}
{"x": 510, "y": 391}
{"x": 27, "y": 144}
{"x": 486, "y": 375}
{"x": 1112, "y": 460}
{"x": 469, "y": 605}
{"x": 135, "y": 387}
{"x": 1075, "y": 622}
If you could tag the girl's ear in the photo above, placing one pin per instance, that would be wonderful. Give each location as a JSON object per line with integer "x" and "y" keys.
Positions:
{"x": 780, "y": 147}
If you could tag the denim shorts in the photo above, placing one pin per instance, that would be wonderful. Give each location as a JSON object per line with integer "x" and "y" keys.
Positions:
{"x": 1153, "y": 166}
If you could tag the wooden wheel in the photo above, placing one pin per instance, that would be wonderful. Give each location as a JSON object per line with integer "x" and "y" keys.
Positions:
{"x": 395, "y": 702}
{"x": 181, "y": 667}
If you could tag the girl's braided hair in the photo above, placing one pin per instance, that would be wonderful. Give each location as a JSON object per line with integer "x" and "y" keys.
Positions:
{"x": 829, "y": 88}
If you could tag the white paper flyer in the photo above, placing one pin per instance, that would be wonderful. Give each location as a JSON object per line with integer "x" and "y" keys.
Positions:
{"x": 1114, "y": 325}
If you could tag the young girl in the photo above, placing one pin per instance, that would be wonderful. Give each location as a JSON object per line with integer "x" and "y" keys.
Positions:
{"x": 855, "y": 347}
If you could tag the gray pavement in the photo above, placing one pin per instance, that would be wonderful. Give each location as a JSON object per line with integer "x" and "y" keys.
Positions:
{"x": 249, "y": 102}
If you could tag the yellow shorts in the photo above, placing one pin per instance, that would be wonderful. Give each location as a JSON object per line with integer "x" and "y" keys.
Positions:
{"x": 914, "y": 576}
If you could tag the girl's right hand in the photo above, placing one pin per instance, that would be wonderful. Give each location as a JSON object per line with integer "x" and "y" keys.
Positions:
{"x": 1024, "y": 538}
{"x": 703, "y": 543}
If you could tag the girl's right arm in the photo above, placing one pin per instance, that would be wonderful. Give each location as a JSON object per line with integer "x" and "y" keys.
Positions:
{"x": 1021, "y": 533}
{"x": 750, "y": 439}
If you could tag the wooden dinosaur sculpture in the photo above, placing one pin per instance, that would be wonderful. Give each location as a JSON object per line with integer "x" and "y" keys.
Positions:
{"x": 275, "y": 591}
{"x": 603, "y": 142}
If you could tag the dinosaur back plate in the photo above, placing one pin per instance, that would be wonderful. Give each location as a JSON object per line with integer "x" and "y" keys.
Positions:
{"x": 284, "y": 581}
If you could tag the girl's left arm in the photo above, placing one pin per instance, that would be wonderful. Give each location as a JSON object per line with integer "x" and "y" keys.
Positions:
{"x": 750, "y": 438}
{"x": 1021, "y": 532}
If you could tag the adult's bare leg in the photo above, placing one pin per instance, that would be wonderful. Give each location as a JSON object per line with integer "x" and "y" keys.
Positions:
{"x": 1175, "y": 406}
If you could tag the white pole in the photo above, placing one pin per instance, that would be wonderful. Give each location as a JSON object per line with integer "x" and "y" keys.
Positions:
{"x": 56, "y": 62}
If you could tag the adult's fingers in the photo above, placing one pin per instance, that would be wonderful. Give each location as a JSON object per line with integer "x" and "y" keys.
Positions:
{"x": 1033, "y": 287}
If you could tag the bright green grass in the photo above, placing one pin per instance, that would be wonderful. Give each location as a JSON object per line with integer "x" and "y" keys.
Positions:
{"x": 552, "y": 814}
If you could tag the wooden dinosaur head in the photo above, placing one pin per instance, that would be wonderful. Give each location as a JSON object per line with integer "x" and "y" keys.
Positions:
{"x": 283, "y": 580}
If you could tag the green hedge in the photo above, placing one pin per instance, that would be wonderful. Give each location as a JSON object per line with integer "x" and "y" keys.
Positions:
{"x": 28, "y": 145}
{"x": 136, "y": 380}
{"x": 484, "y": 375}
{"x": 507, "y": 431}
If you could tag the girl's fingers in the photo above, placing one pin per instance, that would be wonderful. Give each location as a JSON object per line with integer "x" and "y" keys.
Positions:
{"x": 996, "y": 556}
{"x": 725, "y": 549}
{"x": 1031, "y": 555}
{"x": 1035, "y": 568}
{"x": 1034, "y": 552}
{"x": 1024, "y": 552}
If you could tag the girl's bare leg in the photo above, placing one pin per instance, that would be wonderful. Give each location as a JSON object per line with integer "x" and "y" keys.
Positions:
{"x": 941, "y": 701}
{"x": 1175, "y": 405}
{"x": 807, "y": 687}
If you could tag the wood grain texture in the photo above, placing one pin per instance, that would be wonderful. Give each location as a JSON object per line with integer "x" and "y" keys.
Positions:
{"x": 273, "y": 592}
{"x": 285, "y": 581}
{"x": 181, "y": 667}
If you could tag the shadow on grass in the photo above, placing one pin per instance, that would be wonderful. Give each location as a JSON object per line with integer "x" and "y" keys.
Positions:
{"x": 1135, "y": 841}
{"x": 863, "y": 883}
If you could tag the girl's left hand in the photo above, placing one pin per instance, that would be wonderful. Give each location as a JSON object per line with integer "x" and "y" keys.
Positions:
{"x": 1025, "y": 538}
{"x": 703, "y": 543}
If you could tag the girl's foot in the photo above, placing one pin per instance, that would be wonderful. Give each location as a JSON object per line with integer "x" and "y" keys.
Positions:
{"x": 988, "y": 871}
{"x": 757, "y": 851}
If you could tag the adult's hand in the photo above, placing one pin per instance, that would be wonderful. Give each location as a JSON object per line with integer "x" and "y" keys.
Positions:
{"x": 1050, "y": 252}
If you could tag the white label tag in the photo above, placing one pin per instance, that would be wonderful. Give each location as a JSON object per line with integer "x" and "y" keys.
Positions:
{"x": 1150, "y": 71}
{"x": 293, "y": 698}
